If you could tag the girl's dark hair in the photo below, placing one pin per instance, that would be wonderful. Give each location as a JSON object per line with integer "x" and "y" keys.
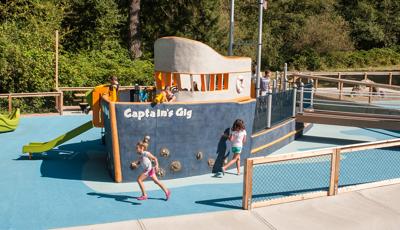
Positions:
{"x": 238, "y": 125}
{"x": 144, "y": 143}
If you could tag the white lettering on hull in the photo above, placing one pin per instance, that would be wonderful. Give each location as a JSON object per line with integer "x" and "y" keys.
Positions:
{"x": 140, "y": 114}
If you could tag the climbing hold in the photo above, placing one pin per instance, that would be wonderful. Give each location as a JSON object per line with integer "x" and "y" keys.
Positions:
{"x": 160, "y": 172}
{"x": 164, "y": 152}
{"x": 134, "y": 165}
{"x": 199, "y": 155}
{"x": 211, "y": 162}
{"x": 176, "y": 166}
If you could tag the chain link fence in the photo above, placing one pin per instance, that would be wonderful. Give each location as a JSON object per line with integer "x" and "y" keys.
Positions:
{"x": 369, "y": 166}
{"x": 282, "y": 178}
{"x": 290, "y": 178}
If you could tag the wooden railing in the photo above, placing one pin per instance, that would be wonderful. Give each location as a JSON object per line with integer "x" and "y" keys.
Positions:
{"x": 364, "y": 75}
{"x": 340, "y": 83}
{"x": 335, "y": 158}
{"x": 59, "y": 95}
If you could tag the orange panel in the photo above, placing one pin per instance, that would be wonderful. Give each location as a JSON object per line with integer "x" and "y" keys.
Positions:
{"x": 226, "y": 80}
{"x": 115, "y": 144}
{"x": 212, "y": 82}
{"x": 219, "y": 81}
{"x": 177, "y": 80}
{"x": 168, "y": 79}
{"x": 162, "y": 80}
{"x": 97, "y": 93}
{"x": 158, "y": 78}
{"x": 203, "y": 83}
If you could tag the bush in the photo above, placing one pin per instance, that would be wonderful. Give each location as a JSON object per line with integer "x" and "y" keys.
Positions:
{"x": 307, "y": 60}
{"x": 361, "y": 59}
{"x": 310, "y": 60}
{"x": 95, "y": 67}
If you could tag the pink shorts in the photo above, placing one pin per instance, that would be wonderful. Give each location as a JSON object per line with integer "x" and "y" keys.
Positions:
{"x": 150, "y": 173}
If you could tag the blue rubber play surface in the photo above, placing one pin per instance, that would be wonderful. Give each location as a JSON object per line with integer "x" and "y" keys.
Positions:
{"x": 65, "y": 186}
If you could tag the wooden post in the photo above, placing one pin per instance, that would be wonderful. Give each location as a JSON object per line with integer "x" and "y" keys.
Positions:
{"x": 370, "y": 95}
{"x": 57, "y": 103}
{"x": 365, "y": 76}
{"x": 56, "y": 73}
{"x": 390, "y": 78}
{"x": 340, "y": 90}
{"x": 61, "y": 104}
{"x": 247, "y": 184}
{"x": 316, "y": 84}
{"x": 339, "y": 77}
{"x": 9, "y": 103}
{"x": 335, "y": 167}
{"x": 56, "y": 64}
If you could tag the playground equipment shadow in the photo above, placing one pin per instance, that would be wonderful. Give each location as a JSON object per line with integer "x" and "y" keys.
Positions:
{"x": 70, "y": 185}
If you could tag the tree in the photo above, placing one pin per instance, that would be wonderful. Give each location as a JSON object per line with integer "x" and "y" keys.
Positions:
{"x": 198, "y": 20}
{"x": 324, "y": 33}
{"x": 374, "y": 23}
{"x": 134, "y": 29}
{"x": 91, "y": 24}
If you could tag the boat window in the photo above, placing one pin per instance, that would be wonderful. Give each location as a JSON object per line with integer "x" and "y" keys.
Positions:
{"x": 215, "y": 82}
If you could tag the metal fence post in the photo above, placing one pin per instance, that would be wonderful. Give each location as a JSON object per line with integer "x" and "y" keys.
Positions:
{"x": 285, "y": 79}
{"x": 274, "y": 86}
{"x": 301, "y": 109}
{"x": 294, "y": 100}
{"x": 312, "y": 94}
{"x": 269, "y": 111}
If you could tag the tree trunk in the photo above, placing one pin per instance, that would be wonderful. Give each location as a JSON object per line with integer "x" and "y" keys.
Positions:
{"x": 134, "y": 29}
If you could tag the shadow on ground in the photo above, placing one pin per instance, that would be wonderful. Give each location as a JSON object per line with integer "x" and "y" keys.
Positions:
{"x": 120, "y": 198}
{"x": 236, "y": 202}
{"x": 68, "y": 161}
{"x": 328, "y": 140}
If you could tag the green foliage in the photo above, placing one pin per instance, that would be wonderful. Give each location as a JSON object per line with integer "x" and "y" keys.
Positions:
{"x": 324, "y": 33}
{"x": 91, "y": 24}
{"x": 359, "y": 59}
{"x": 308, "y": 34}
{"x": 374, "y": 24}
{"x": 198, "y": 20}
{"x": 95, "y": 67}
{"x": 26, "y": 45}
{"x": 309, "y": 60}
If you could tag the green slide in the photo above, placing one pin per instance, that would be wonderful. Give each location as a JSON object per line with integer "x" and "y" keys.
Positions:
{"x": 38, "y": 147}
{"x": 10, "y": 122}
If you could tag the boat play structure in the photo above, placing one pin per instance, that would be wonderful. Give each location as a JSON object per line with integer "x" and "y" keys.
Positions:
{"x": 187, "y": 135}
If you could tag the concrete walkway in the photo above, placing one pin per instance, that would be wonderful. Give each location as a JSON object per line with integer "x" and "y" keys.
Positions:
{"x": 377, "y": 208}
